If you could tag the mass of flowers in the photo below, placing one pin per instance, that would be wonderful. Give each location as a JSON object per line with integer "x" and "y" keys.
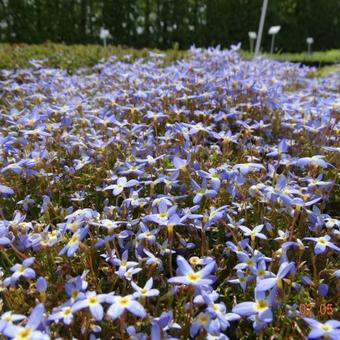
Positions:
{"x": 197, "y": 200}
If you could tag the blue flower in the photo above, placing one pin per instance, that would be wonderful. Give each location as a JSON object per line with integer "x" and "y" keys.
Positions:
{"x": 121, "y": 184}
{"x": 64, "y": 313}
{"x": 146, "y": 291}
{"x": 93, "y": 302}
{"x": 164, "y": 215}
{"x": 242, "y": 279}
{"x": 161, "y": 324}
{"x": 256, "y": 232}
{"x": 123, "y": 303}
{"x": 316, "y": 160}
{"x": 214, "y": 177}
{"x": 322, "y": 243}
{"x": 5, "y": 190}
{"x": 203, "y": 321}
{"x": 269, "y": 283}
{"x": 330, "y": 328}
{"x": 260, "y": 308}
{"x": 72, "y": 246}
{"x": 21, "y": 270}
{"x": 323, "y": 289}
{"x": 9, "y": 318}
{"x": 292, "y": 310}
{"x": 76, "y": 287}
{"x": 41, "y": 285}
{"x": 124, "y": 264}
{"x": 30, "y": 330}
{"x": 187, "y": 276}
{"x": 202, "y": 191}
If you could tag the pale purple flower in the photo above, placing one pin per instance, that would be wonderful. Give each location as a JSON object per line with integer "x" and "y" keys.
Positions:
{"x": 125, "y": 303}
{"x": 30, "y": 330}
{"x": 252, "y": 233}
{"x": 21, "y": 270}
{"x": 261, "y": 307}
{"x": 187, "y": 276}
{"x": 121, "y": 184}
{"x": 93, "y": 302}
{"x": 330, "y": 329}
{"x": 322, "y": 243}
{"x": 146, "y": 291}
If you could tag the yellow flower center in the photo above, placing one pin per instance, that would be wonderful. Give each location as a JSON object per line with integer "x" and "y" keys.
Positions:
{"x": 54, "y": 233}
{"x": 143, "y": 291}
{"x": 24, "y": 334}
{"x": 67, "y": 311}
{"x": 194, "y": 277}
{"x": 72, "y": 227}
{"x": 194, "y": 260}
{"x": 74, "y": 239}
{"x": 261, "y": 272}
{"x": 250, "y": 262}
{"x": 203, "y": 319}
{"x": 124, "y": 301}
{"x": 21, "y": 269}
{"x": 325, "y": 328}
{"x": 322, "y": 240}
{"x": 215, "y": 307}
{"x": 74, "y": 293}
{"x": 7, "y": 317}
{"x": 92, "y": 300}
{"x": 261, "y": 305}
{"x": 30, "y": 122}
{"x": 162, "y": 214}
{"x": 213, "y": 213}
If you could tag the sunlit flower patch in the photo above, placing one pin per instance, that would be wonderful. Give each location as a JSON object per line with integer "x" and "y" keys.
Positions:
{"x": 144, "y": 201}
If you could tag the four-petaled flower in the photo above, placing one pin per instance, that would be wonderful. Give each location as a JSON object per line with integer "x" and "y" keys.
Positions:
{"x": 321, "y": 244}
{"x": 93, "y": 302}
{"x": 187, "y": 276}
{"x": 123, "y": 303}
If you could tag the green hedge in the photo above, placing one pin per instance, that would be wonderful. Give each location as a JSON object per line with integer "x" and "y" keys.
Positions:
{"x": 323, "y": 58}
{"x": 72, "y": 57}
{"x": 315, "y": 59}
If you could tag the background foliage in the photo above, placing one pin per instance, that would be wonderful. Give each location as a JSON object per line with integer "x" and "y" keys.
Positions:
{"x": 168, "y": 23}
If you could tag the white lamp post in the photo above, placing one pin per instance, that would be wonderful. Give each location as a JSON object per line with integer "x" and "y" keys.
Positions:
{"x": 261, "y": 24}
{"x": 273, "y": 31}
{"x": 252, "y": 38}
{"x": 310, "y": 41}
{"x": 103, "y": 35}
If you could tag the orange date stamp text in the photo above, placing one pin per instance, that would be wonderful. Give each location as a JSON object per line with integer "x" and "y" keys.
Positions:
{"x": 308, "y": 309}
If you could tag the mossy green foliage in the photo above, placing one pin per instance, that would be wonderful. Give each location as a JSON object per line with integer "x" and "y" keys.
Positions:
{"x": 72, "y": 57}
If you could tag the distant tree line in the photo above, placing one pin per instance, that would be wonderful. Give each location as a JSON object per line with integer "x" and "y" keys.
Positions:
{"x": 169, "y": 23}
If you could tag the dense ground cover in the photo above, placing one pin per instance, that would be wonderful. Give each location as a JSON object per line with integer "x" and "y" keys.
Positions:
{"x": 195, "y": 199}
{"x": 72, "y": 57}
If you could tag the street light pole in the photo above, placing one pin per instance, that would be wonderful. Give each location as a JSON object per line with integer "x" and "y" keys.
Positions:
{"x": 259, "y": 34}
